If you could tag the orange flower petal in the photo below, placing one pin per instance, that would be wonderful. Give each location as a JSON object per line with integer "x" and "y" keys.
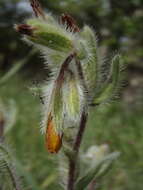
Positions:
{"x": 53, "y": 139}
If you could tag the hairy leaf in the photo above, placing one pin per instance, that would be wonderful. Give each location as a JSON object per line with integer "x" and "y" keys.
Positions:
{"x": 111, "y": 87}
{"x": 7, "y": 168}
{"x": 90, "y": 63}
{"x": 99, "y": 170}
{"x": 49, "y": 35}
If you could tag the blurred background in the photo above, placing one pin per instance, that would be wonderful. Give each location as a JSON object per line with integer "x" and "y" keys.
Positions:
{"x": 119, "y": 26}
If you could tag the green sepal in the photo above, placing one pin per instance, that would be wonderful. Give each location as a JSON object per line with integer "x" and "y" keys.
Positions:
{"x": 72, "y": 98}
{"x": 57, "y": 109}
{"x": 90, "y": 63}
{"x": 49, "y": 35}
{"x": 110, "y": 88}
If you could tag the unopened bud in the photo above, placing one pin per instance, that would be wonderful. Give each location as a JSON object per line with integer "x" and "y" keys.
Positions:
{"x": 47, "y": 34}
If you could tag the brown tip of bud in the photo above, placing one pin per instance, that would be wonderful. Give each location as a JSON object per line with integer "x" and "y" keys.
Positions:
{"x": 24, "y": 29}
{"x": 37, "y": 8}
{"x": 70, "y": 23}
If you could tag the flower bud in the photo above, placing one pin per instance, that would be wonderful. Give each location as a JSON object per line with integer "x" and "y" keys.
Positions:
{"x": 73, "y": 98}
{"x": 51, "y": 35}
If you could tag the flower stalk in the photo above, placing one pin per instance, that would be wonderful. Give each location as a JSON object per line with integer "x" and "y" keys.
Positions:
{"x": 76, "y": 147}
{"x": 77, "y": 81}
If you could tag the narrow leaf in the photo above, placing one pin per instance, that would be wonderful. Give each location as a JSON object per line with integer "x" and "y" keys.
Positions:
{"x": 90, "y": 63}
{"x": 7, "y": 167}
{"x": 84, "y": 181}
{"x": 111, "y": 87}
{"x": 15, "y": 68}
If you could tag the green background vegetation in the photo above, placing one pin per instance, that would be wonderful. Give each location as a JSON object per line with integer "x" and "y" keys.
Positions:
{"x": 119, "y": 27}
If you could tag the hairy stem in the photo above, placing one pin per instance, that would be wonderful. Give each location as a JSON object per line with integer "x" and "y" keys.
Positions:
{"x": 79, "y": 137}
{"x": 76, "y": 147}
{"x": 80, "y": 132}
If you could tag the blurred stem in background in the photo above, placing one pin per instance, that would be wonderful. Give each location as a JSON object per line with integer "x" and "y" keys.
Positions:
{"x": 17, "y": 66}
